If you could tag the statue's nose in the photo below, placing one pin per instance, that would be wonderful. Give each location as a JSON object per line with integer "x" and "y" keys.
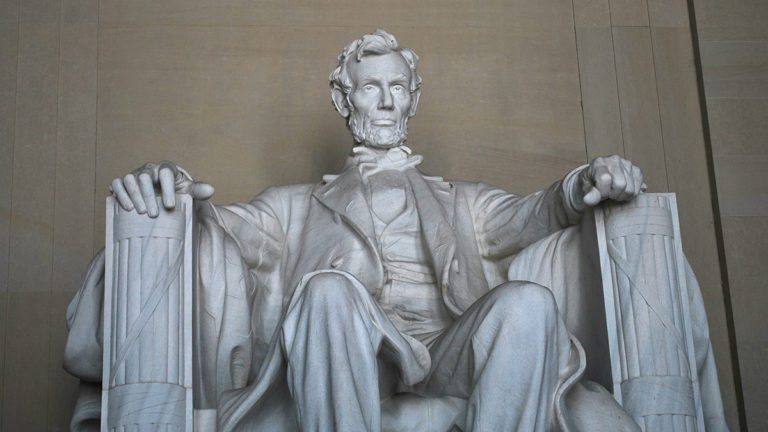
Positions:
{"x": 385, "y": 101}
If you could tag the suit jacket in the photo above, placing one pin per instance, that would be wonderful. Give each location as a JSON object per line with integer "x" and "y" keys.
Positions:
{"x": 471, "y": 231}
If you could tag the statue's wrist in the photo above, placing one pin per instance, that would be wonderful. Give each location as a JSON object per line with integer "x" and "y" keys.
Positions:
{"x": 573, "y": 187}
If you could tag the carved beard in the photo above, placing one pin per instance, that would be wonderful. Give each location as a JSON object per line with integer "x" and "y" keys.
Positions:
{"x": 375, "y": 136}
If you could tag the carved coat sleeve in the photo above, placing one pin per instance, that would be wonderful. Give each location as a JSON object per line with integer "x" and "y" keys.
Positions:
{"x": 506, "y": 223}
{"x": 249, "y": 267}
{"x": 256, "y": 228}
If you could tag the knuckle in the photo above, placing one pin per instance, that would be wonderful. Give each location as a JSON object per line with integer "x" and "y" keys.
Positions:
{"x": 168, "y": 165}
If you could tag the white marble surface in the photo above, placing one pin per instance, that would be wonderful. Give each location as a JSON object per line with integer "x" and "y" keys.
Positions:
{"x": 649, "y": 324}
{"x": 147, "y": 378}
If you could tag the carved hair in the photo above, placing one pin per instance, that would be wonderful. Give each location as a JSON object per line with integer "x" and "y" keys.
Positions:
{"x": 377, "y": 43}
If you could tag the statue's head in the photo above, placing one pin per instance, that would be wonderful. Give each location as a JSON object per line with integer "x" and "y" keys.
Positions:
{"x": 376, "y": 88}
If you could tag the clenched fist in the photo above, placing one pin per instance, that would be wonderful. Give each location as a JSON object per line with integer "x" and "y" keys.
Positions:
{"x": 609, "y": 177}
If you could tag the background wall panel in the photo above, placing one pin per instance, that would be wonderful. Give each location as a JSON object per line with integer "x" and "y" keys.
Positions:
{"x": 639, "y": 102}
{"x": 733, "y": 40}
{"x": 27, "y": 338}
{"x": 687, "y": 174}
{"x": 9, "y": 46}
{"x": 74, "y": 194}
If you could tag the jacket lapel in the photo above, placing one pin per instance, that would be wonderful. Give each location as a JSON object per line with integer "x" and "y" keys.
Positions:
{"x": 345, "y": 196}
{"x": 435, "y": 204}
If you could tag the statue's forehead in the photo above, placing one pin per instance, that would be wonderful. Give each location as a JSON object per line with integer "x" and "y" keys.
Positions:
{"x": 391, "y": 66}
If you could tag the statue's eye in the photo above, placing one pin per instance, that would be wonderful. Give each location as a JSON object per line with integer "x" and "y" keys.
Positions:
{"x": 398, "y": 88}
{"x": 369, "y": 87}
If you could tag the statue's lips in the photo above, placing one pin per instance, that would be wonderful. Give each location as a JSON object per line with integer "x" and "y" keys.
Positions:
{"x": 383, "y": 122}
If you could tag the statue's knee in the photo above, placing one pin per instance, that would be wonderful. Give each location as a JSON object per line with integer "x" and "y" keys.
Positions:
{"x": 328, "y": 289}
{"x": 528, "y": 298}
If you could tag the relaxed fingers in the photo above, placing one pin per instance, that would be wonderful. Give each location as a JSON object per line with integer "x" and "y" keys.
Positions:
{"x": 169, "y": 165}
{"x": 148, "y": 193}
{"x": 121, "y": 195}
{"x": 167, "y": 187}
{"x": 132, "y": 187}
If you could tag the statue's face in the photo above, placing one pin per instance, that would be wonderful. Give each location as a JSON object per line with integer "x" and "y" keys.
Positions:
{"x": 381, "y": 100}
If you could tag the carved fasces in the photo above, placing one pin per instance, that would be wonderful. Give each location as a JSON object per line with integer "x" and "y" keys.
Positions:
{"x": 649, "y": 324}
{"x": 147, "y": 380}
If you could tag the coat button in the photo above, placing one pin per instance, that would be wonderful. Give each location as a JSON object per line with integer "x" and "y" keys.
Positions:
{"x": 337, "y": 262}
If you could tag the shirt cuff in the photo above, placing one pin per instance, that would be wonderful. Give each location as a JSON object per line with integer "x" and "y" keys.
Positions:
{"x": 573, "y": 196}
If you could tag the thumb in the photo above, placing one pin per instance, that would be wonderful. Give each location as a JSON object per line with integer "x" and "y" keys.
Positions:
{"x": 201, "y": 191}
{"x": 593, "y": 197}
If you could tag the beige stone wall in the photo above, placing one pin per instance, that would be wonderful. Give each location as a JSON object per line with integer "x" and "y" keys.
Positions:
{"x": 516, "y": 93}
{"x": 733, "y": 39}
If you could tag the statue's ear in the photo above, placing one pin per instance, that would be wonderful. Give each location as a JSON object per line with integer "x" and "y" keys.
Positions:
{"x": 414, "y": 102}
{"x": 340, "y": 101}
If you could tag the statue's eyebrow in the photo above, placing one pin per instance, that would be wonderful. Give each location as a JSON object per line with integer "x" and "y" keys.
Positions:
{"x": 400, "y": 79}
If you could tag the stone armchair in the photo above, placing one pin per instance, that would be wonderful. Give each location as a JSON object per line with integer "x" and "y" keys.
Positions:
{"x": 620, "y": 279}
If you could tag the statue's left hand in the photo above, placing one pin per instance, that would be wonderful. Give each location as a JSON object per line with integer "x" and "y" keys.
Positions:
{"x": 138, "y": 189}
{"x": 610, "y": 177}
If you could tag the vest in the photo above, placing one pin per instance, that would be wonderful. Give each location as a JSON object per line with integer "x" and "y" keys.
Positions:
{"x": 410, "y": 296}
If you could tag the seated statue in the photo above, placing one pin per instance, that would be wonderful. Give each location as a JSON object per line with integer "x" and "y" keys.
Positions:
{"x": 379, "y": 298}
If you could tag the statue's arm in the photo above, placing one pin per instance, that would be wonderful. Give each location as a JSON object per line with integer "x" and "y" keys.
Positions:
{"x": 256, "y": 227}
{"x": 506, "y": 223}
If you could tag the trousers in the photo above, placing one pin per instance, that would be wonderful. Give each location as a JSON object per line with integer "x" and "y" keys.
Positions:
{"x": 505, "y": 356}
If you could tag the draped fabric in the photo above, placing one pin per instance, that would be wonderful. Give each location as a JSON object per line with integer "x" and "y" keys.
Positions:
{"x": 252, "y": 257}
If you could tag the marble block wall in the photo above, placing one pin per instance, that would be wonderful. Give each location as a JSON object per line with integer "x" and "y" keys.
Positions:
{"x": 515, "y": 93}
{"x": 733, "y": 40}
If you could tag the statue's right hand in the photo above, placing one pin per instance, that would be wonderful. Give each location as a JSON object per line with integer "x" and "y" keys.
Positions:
{"x": 139, "y": 188}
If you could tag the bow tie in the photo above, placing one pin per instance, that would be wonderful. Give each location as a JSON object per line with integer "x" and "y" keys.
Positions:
{"x": 370, "y": 162}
